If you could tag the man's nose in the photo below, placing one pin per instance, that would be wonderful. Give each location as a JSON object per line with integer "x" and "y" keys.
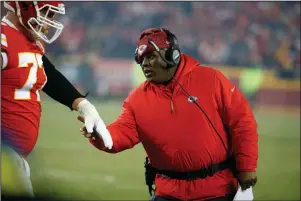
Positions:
{"x": 145, "y": 62}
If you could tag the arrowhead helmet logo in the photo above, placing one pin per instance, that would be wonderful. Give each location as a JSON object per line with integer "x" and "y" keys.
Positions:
{"x": 141, "y": 49}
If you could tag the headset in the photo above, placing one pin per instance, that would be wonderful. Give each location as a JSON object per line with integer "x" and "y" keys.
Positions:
{"x": 172, "y": 54}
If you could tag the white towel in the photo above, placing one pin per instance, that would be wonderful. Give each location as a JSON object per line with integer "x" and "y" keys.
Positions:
{"x": 244, "y": 195}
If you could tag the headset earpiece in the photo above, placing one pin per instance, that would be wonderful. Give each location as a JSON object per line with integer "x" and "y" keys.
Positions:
{"x": 136, "y": 57}
{"x": 172, "y": 54}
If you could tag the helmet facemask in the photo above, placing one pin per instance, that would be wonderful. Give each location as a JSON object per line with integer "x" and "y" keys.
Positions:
{"x": 44, "y": 20}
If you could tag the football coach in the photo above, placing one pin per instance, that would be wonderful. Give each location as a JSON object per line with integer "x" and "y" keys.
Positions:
{"x": 196, "y": 127}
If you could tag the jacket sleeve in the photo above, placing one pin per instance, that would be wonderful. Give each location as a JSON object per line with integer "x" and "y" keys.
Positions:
{"x": 123, "y": 131}
{"x": 238, "y": 116}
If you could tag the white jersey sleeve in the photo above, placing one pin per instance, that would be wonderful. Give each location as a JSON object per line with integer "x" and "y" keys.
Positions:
{"x": 4, "y": 59}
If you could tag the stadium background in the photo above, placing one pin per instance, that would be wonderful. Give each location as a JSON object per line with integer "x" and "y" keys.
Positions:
{"x": 251, "y": 42}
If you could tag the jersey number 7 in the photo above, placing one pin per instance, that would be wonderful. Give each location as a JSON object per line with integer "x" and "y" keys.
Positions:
{"x": 27, "y": 59}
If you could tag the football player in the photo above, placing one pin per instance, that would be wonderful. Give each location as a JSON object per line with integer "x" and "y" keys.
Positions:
{"x": 26, "y": 70}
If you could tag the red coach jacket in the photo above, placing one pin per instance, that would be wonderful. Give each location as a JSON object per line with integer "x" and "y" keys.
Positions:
{"x": 177, "y": 136}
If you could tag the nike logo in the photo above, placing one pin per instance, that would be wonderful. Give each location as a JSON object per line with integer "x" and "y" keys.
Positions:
{"x": 233, "y": 89}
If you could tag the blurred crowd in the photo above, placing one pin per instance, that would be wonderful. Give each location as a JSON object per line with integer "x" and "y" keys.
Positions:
{"x": 227, "y": 33}
{"x": 99, "y": 38}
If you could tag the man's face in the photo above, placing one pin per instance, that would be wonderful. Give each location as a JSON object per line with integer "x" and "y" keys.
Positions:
{"x": 154, "y": 67}
{"x": 49, "y": 15}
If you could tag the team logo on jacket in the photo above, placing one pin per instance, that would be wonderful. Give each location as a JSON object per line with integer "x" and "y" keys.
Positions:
{"x": 141, "y": 49}
{"x": 192, "y": 99}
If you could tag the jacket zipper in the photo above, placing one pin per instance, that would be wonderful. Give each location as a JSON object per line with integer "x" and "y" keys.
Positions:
{"x": 171, "y": 106}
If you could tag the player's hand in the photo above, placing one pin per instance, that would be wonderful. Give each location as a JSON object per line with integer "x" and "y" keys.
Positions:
{"x": 247, "y": 179}
{"x": 92, "y": 120}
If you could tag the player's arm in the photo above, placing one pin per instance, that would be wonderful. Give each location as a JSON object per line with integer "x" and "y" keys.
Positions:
{"x": 123, "y": 131}
{"x": 61, "y": 90}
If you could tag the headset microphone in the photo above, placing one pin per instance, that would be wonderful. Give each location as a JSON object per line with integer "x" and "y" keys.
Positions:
{"x": 190, "y": 97}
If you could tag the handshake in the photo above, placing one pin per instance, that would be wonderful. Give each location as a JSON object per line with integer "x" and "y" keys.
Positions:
{"x": 94, "y": 127}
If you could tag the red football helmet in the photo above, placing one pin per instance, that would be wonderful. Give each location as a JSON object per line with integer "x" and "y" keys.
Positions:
{"x": 34, "y": 15}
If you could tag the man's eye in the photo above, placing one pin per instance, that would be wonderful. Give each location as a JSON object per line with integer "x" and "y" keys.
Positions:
{"x": 150, "y": 57}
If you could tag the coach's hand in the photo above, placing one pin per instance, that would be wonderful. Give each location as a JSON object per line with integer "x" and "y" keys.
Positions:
{"x": 83, "y": 129}
{"x": 92, "y": 120}
{"x": 247, "y": 179}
